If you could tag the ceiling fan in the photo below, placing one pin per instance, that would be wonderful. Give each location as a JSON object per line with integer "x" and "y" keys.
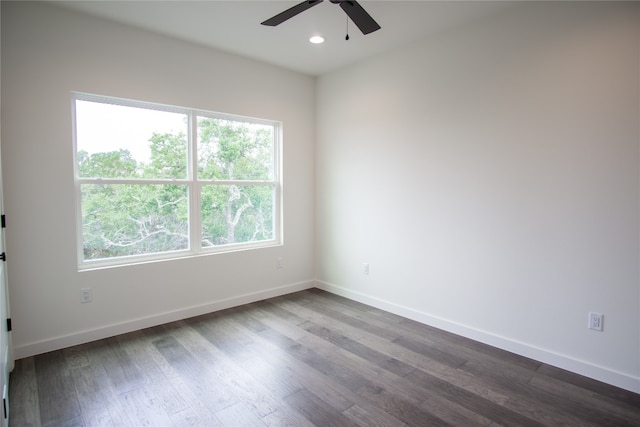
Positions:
{"x": 352, "y": 8}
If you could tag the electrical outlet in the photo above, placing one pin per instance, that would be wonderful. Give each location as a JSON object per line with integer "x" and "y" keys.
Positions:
{"x": 86, "y": 295}
{"x": 596, "y": 321}
{"x": 365, "y": 268}
{"x": 279, "y": 263}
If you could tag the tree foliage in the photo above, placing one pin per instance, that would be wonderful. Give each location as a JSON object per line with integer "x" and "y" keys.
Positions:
{"x": 143, "y": 217}
{"x": 233, "y": 151}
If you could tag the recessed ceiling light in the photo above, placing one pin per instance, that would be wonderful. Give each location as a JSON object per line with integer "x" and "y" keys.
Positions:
{"x": 316, "y": 39}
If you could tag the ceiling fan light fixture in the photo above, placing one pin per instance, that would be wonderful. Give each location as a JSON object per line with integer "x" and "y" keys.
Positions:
{"x": 317, "y": 39}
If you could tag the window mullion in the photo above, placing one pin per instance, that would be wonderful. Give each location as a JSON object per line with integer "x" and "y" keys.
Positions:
{"x": 125, "y": 181}
{"x": 194, "y": 186}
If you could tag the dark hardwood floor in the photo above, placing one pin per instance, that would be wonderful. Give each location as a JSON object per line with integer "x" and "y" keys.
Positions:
{"x": 309, "y": 358}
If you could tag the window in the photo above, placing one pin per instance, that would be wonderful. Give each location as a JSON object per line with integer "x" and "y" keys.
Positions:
{"x": 158, "y": 182}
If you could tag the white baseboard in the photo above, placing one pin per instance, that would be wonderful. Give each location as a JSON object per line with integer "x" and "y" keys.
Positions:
{"x": 56, "y": 343}
{"x": 599, "y": 373}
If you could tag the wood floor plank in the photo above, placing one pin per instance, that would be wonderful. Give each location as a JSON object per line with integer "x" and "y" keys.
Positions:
{"x": 471, "y": 401}
{"x": 430, "y": 347}
{"x": 286, "y": 419}
{"x": 91, "y": 397}
{"x": 122, "y": 371}
{"x": 279, "y": 381}
{"x": 278, "y": 309}
{"x": 368, "y": 314}
{"x": 608, "y": 392}
{"x": 323, "y": 386}
{"x": 416, "y": 360}
{"x": 313, "y": 357}
{"x": 144, "y": 408}
{"x": 252, "y": 390}
{"x": 352, "y": 346}
{"x": 317, "y": 411}
{"x": 366, "y": 417}
{"x": 238, "y": 415}
{"x": 228, "y": 339}
{"x": 435, "y": 353}
{"x": 192, "y": 417}
{"x": 71, "y": 422}
{"x": 400, "y": 407}
{"x": 185, "y": 408}
{"x": 52, "y": 373}
{"x": 573, "y": 400}
{"x": 302, "y": 311}
{"x": 409, "y": 394}
{"x": 94, "y": 388}
{"x": 455, "y": 376}
{"x": 333, "y": 365}
{"x": 381, "y": 331}
{"x": 523, "y": 398}
{"x": 545, "y": 413}
{"x": 456, "y": 351}
{"x": 453, "y": 413}
{"x": 406, "y": 389}
{"x": 490, "y": 368}
{"x": 196, "y": 375}
{"x": 140, "y": 347}
{"x": 77, "y": 356}
{"x": 304, "y": 359}
{"x": 465, "y": 347}
{"x": 144, "y": 353}
{"x": 23, "y": 394}
{"x": 304, "y": 376}
{"x": 112, "y": 402}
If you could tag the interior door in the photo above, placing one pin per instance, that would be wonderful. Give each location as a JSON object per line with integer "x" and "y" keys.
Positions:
{"x": 6, "y": 359}
{"x": 6, "y": 356}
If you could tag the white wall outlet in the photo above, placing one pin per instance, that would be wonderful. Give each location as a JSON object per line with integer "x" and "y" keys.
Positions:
{"x": 86, "y": 295}
{"x": 365, "y": 268}
{"x": 596, "y": 321}
{"x": 279, "y": 263}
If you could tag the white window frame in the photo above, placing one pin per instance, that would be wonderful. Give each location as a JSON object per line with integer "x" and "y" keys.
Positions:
{"x": 192, "y": 182}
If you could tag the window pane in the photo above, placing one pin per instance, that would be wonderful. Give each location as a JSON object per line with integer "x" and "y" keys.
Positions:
{"x": 236, "y": 214}
{"x": 115, "y": 141}
{"x": 122, "y": 220}
{"x": 135, "y": 164}
{"x": 234, "y": 150}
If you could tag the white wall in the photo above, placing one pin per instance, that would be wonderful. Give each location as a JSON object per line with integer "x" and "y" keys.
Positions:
{"x": 47, "y": 53}
{"x": 490, "y": 176}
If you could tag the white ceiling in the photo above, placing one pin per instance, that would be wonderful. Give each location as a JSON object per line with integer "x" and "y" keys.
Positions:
{"x": 234, "y": 26}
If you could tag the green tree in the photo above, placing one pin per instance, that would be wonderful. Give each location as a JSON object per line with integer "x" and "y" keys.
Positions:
{"x": 168, "y": 156}
{"x": 232, "y": 151}
{"x": 121, "y": 220}
{"x": 132, "y": 219}
{"x": 114, "y": 164}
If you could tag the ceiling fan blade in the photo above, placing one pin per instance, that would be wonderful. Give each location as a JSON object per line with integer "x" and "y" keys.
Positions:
{"x": 290, "y": 13}
{"x": 359, "y": 16}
